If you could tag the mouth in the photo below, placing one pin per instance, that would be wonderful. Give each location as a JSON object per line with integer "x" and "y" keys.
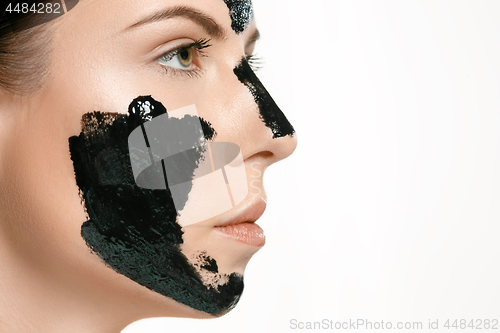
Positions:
{"x": 242, "y": 226}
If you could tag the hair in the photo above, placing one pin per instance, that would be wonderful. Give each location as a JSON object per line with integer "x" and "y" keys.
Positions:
{"x": 24, "y": 51}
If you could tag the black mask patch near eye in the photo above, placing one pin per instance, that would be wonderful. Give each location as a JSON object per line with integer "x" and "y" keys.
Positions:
{"x": 134, "y": 229}
{"x": 270, "y": 113}
{"x": 241, "y": 12}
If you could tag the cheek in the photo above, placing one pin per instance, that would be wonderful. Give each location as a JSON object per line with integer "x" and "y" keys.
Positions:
{"x": 39, "y": 194}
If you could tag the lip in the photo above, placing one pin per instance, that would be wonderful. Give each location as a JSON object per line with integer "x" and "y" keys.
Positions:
{"x": 242, "y": 226}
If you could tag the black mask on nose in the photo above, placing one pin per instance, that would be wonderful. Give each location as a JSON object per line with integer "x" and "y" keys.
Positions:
{"x": 270, "y": 113}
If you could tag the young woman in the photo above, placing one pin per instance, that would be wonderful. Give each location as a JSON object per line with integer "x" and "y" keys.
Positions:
{"x": 84, "y": 245}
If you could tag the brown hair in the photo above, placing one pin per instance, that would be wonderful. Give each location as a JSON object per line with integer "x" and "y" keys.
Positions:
{"x": 24, "y": 52}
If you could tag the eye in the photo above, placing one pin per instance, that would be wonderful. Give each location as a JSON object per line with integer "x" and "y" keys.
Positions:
{"x": 185, "y": 57}
{"x": 179, "y": 59}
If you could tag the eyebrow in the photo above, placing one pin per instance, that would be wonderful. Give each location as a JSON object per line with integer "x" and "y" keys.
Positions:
{"x": 205, "y": 21}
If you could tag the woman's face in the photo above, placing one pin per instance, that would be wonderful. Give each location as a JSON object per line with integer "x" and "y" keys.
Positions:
{"x": 71, "y": 203}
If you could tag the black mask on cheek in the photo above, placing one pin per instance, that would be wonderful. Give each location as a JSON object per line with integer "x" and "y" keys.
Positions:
{"x": 133, "y": 229}
{"x": 270, "y": 113}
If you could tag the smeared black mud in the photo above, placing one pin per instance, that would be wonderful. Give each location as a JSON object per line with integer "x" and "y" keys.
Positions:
{"x": 134, "y": 230}
{"x": 207, "y": 263}
{"x": 241, "y": 13}
{"x": 270, "y": 113}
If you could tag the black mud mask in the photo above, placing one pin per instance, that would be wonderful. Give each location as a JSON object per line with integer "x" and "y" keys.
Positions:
{"x": 134, "y": 228}
{"x": 270, "y": 113}
{"x": 241, "y": 13}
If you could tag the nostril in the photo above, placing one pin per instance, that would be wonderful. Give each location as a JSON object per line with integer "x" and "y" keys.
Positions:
{"x": 265, "y": 155}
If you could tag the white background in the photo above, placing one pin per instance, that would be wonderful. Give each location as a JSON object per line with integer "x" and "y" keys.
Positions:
{"x": 390, "y": 207}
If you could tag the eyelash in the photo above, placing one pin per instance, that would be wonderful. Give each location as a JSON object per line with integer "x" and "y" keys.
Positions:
{"x": 253, "y": 60}
{"x": 198, "y": 48}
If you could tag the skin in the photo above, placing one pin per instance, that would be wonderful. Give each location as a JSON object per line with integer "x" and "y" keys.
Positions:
{"x": 50, "y": 281}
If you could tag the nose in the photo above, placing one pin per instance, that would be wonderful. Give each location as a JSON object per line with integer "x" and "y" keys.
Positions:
{"x": 271, "y": 137}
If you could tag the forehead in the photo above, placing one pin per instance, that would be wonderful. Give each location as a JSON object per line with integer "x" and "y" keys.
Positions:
{"x": 117, "y": 15}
